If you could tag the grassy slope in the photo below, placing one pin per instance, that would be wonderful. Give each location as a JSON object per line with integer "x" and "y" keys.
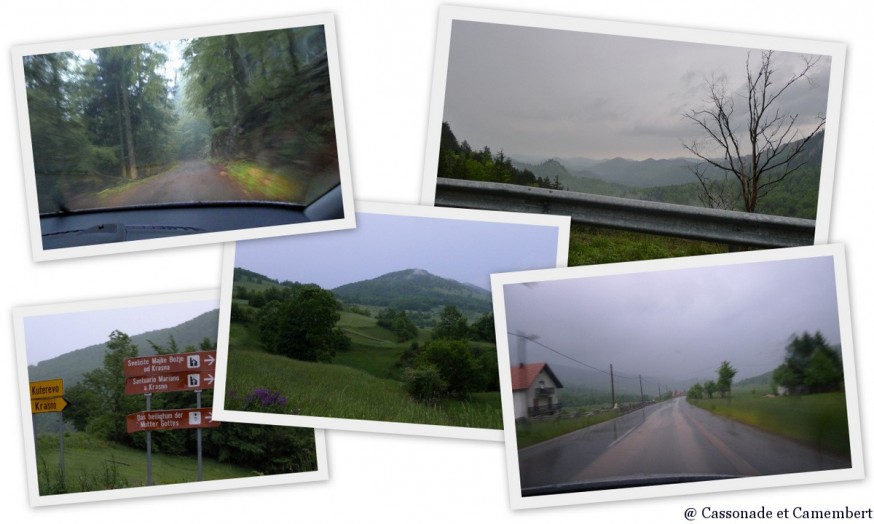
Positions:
{"x": 590, "y": 245}
{"x": 85, "y": 459}
{"x": 362, "y": 383}
{"x": 817, "y": 420}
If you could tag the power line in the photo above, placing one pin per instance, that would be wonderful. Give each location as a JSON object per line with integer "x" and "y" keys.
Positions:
{"x": 544, "y": 346}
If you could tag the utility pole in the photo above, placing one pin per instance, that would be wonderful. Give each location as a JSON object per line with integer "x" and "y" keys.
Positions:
{"x": 640, "y": 379}
{"x": 612, "y": 389}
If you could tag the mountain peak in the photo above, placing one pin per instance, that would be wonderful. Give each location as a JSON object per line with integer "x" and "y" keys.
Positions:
{"x": 415, "y": 289}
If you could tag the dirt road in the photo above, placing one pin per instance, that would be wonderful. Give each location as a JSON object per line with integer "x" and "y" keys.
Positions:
{"x": 189, "y": 181}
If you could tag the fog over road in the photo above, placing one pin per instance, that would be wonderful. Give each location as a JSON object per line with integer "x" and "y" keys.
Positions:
{"x": 673, "y": 437}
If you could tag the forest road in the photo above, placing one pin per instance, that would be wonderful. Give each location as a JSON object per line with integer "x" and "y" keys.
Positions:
{"x": 673, "y": 437}
{"x": 189, "y": 181}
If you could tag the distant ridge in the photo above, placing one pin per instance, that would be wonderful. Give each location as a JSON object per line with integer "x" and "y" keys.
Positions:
{"x": 415, "y": 290}
{"x": 71, "y": 366}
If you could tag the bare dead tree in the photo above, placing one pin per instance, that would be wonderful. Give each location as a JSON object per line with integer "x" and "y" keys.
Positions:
{"x": 758, "y": 148}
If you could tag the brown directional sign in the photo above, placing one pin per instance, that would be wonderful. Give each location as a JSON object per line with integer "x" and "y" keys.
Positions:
{"x": 169, "y": 382}
{"x": 47, "y": 388}
{"x": 172, "y": 363}
{"x": 171, "y": 419}
{"x": 48, "y": 405}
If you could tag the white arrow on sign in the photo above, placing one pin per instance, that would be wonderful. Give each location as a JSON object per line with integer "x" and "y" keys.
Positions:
{"x": 209, "y": 360}
{"x": 209, "y": 379}
{"x": 209, "y": 416}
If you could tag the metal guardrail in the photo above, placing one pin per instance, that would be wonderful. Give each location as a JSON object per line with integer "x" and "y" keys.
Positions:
{"x": 698, "y": 223}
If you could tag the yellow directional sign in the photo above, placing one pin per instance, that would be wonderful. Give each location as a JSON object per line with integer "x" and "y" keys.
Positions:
{"x": 48, "y": 405}
{"x": 47, "y": 389}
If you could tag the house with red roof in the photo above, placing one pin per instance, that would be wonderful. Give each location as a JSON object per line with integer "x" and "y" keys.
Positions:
{"x": 535, "y": 390}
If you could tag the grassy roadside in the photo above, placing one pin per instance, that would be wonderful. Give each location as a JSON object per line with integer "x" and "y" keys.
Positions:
{"x": 590, "y": 245}
{"x": 261, "y": 183}
{"x": 817, "y": 420}
{"x": 94, "y": 465}
{"x": 533, "y": 432}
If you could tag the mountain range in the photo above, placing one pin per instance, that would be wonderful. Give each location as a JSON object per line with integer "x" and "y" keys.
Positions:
{"x": 633, "y": 173}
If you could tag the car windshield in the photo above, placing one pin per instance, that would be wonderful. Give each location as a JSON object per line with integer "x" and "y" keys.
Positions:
{"x": 240, "y": 117}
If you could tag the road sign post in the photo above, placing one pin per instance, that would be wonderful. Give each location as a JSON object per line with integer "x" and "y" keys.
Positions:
{"x": 202, "y": 361}
{"x": 166, "y": 374}
{"x": 169, "y": 382}
{"x": 170, "y": 419}
{"x": 47, "y": 396}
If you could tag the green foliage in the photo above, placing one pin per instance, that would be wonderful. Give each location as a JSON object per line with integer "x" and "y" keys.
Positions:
{"x": 484, "y": 328}
{"x": 240, "y": 313}
{"x": 106, "y": 399}
{"x": 460, "y": 161}
{"x": 451, "y": 325}
{"x": 695, "y": 392}
{"x": 267, "y": 450}
{"x": 331, "y": 390}
{"x": 303, "y": 326}
{"x": 92, "y": 464}
{"x": 811, "y": 365}
{"x": 590, "y": 245}
{"x": 726, "y": 375}
{"x": 265, "y": 94}
{"x": 710, "y": 388}
{"x": 455, "y": 361}
{"x": 424, "y": 383}
{"x": 398, "y": 323}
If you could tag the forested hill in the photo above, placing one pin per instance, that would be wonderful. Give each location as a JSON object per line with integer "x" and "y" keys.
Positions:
{"x": 415, "y": 290}
{"x": 71, "y": 366}
{"x": 245, "y": 275}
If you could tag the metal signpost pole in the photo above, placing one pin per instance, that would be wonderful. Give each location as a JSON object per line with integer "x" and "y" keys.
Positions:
{"x": 148, "y": 444}
{"x": 199, "y": 444}
{"x": 61, "y": 443}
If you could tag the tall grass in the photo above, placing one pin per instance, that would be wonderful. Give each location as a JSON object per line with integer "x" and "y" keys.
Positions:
{"x": 591, "y": 245}
{"x": 816, "y": 420}
{"x": 330, "y": 390}
{"x": 91, "y": 464}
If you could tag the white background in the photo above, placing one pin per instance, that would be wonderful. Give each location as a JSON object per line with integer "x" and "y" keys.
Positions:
{"x": 386, "y": 52}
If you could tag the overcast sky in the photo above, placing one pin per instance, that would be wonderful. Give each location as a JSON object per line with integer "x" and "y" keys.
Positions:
{"x": 677, "y": 324}
{"x": 47, "y": 336}
{"x": 463, "y": 250}
{"x": 549, "y": 93}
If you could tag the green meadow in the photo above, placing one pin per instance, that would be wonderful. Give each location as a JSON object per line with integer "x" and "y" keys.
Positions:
{"x": 362, "y": 383}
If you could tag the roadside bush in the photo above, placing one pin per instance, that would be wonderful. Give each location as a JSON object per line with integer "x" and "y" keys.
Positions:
{"x": 424, "y": 383}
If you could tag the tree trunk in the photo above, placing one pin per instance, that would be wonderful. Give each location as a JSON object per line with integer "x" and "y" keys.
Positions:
{"x": 128, "y": 135}
{"x": 121, "y": 146}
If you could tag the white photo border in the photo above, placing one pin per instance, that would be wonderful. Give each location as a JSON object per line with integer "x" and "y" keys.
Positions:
{"x": 447, "y": 14}
{"x": 835, "y": 251}
{"x": 562, "y": 224}
{"x": 19, "y": 314}
{"x": 325, "y": 19}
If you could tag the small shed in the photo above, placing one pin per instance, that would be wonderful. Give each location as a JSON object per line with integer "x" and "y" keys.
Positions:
{"x": 535, "y": 390}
